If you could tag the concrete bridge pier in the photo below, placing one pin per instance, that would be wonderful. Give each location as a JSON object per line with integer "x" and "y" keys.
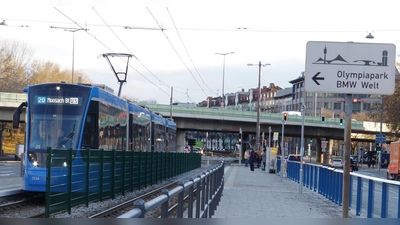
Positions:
{"x": 180, "y": 140}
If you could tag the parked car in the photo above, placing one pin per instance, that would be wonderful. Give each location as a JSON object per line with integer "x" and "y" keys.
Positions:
{"x": 197, "y": 150}
{"x": 337, "y": 162}
{"x": 293, "y": 157}
{"x": 186, "y": 149}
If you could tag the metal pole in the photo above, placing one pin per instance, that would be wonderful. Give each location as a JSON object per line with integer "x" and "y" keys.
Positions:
{"x": 170, "y": 102}
{"x": 73, "y": 54}
{"x": 258, "y": 101}
{"x": 380, "y": 132}
{"x": 303, "y": 112}
{"x": 223, "y": 82}
{"x": 73, "y": 30}
{"x": 208, "y": 157}
{"x": 282, "y": 148}
{"x": 262, "y": 149}
{"x": 258, "y": 107}
{"x": 223, "y": 75}
{"x": 269, "y": 148}
{"x": 347, "y": 147}
{"x": 241, "y": 146}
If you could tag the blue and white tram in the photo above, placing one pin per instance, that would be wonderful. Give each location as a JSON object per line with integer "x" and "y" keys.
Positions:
{"x": 61, "y": 115}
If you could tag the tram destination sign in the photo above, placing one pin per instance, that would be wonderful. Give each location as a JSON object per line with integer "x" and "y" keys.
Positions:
{"x": 350, "y": 68}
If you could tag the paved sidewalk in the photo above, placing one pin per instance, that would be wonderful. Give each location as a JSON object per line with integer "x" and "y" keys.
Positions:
{"x": 260, "y": 194}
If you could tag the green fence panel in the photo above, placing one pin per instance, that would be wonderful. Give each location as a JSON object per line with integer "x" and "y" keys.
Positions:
{"x": 94, "y": 175}
{"x": 152, "y": 166}
{"x": 164, "y": 165}
{"x": 137, "y": 170}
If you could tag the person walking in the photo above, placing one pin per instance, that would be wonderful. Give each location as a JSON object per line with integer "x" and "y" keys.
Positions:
{"x": 258, "y": 158}
{"x": 246, "y": 157}
{"x": 252, "y": 158}
{"x": 264, "y": 159}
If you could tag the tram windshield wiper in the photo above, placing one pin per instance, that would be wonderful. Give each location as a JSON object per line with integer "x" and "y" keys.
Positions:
{"x": 67, "y": 138}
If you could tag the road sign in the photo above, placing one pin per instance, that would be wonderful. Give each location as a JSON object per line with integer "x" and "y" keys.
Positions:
{"x": 323, "y": 144}
{"x": 380, "y": 138}
{"x": 276, "y": 135}
{"x": 350, "y": 68}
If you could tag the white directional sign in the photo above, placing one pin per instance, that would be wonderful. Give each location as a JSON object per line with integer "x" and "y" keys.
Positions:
{"x": 276, "y": 135}
{"x": 350, "y": 68}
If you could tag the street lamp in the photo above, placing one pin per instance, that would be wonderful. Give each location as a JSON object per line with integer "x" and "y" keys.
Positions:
{"x": 370, "y": 36}
{"x": 258, "y": 101}
{"x": 223, "y": 74}
{"x": 73, "y": 30}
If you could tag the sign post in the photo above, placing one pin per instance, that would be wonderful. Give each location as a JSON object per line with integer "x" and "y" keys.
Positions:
{"x": 349, "y": 68}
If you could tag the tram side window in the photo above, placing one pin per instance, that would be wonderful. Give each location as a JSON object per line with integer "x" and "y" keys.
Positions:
{"x": 159, "y": 138}
{"x": 112, "y": 130}
{"x": 89, "y": 133}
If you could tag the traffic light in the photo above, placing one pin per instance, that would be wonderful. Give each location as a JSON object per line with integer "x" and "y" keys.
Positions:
{"x": 341, "y": 122}
{"x": 378, "y": 148}
{"x": 323, "y": 119}
{"x": 284, "y": 116}
{"x": 310, "y": 140}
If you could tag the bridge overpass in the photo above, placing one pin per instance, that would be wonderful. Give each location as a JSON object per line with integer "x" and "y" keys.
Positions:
{"x": 222, "y": 120}
{"x": 210, "y": 119}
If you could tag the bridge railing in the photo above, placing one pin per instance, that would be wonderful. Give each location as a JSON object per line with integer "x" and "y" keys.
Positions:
{"x": 21, "y": 97}
{"x": 12, "y": 97}
{"x": 247, "y": 114}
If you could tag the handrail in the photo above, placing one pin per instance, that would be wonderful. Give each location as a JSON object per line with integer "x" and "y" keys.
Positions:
{"x": 211, "y": 181}
{"x": 363, "y": 192}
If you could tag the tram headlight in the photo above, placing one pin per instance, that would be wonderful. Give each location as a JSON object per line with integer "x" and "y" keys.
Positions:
{"x": 65, "y": 164}
{"x": 33, "y": 159}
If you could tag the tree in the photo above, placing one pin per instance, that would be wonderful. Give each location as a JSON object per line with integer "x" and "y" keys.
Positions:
{"x": 361, "y": 116}
{"x": 45, "y": 71}
{"x": 15, "y": 57}
{"x": 391, "y": 107}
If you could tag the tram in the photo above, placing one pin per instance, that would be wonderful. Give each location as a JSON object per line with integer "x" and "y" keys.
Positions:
{"x": 78, "y": 116}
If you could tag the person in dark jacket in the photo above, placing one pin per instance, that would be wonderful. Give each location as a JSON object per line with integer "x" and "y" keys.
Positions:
{"x": 252, "y": 158}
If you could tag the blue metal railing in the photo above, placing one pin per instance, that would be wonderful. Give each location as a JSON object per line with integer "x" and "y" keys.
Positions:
{"x": 369, "y": 197}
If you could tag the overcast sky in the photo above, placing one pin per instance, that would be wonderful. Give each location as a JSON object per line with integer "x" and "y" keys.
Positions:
{"x": 182, "y": 54}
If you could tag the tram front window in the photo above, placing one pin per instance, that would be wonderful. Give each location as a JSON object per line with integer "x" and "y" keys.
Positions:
{"x": 55, "y": 114}
{"x": 55, "y": 131}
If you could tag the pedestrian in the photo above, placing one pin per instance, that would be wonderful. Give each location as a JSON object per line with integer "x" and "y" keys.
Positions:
{"x": 252, "y": 158}
{"x": 258, "y": 158}
{"x": 263, "y": 160}
{"x": 246, "y": 157}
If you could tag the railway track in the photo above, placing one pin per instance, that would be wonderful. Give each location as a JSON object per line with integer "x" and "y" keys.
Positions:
{"x": 21, "y": 204}
{"x": 117, "y": 210}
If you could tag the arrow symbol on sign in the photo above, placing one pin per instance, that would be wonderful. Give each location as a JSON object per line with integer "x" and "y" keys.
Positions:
{"x": 315, "y": 78}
